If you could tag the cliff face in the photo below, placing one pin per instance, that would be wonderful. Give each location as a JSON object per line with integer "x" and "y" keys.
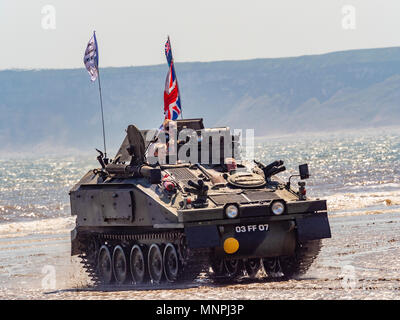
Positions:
{"x": 352, "y": 89}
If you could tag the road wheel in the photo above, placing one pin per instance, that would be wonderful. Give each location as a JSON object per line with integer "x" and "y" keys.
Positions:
{"x": 233, "y": 268}
{"x": 120, "y": 265}
{"x": 105, "y": 269}
{"x": 155, "y": 263}
{"x": 138, "y": 265}
{"x": 252, "y": 267}
{"x": 218, "y": 267}
{"x": 272, "y": 267}
{"x": 171, "y": 263}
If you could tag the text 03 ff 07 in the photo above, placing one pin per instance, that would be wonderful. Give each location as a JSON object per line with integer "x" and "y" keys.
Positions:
{"x": 251, "y": 228}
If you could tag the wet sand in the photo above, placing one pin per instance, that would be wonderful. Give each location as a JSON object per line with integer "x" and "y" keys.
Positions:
{"x": 360, "y": 261}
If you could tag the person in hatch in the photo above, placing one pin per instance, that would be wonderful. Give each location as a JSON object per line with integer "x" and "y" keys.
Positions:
{"x": 164, "y": 143}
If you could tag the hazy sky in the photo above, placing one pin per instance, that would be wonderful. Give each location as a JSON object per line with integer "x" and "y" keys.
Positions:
{"x": 134, "y": 32}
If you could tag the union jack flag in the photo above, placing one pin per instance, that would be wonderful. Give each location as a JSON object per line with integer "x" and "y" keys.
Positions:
{"x": 172, "y": 100}
{"x": 168, "y": 52}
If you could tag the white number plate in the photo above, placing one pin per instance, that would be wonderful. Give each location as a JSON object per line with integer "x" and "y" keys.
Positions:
{"x": 251, "y": 228}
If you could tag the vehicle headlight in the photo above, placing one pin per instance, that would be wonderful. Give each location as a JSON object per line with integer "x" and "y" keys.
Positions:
{"x": 232, "y": 211}
{"x": 278, "y": 208}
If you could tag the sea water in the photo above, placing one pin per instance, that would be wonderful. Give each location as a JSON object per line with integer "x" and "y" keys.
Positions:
{"x": 357, "y": 172}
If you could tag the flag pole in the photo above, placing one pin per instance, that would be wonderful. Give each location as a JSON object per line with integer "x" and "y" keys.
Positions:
{"x": 101, "y": 98}
{"x": 102, "y": 114}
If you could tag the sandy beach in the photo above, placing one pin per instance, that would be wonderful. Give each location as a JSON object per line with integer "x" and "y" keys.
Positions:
{"x": 360, "y": 261}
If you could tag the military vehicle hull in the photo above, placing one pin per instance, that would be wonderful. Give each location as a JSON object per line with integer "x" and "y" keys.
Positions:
{"x": 131, "y": 230}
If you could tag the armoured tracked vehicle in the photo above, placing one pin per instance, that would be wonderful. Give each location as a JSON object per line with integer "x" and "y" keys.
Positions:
{"x": 138, "y": 222}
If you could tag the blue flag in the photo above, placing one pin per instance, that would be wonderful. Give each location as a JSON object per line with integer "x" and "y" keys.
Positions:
{"x": 91, "y": 58}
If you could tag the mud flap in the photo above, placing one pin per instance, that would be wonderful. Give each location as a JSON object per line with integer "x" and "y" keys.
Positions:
{"x": 202, "y": 236}
{"x": 313, "y": 227}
